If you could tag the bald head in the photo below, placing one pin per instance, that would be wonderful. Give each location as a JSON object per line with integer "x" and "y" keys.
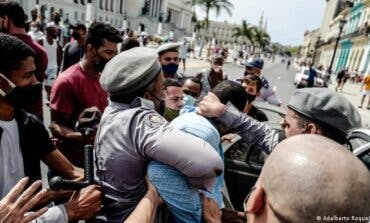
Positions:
{"x": 310, "y": 175}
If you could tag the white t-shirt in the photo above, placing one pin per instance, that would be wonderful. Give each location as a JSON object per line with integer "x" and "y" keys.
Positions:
{"x": 51, "y": 51}
{"x": 11, "y": 159}
{"x": 183, "y": 50}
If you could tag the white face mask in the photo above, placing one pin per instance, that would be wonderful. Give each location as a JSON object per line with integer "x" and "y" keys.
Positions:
{"x": 33, "y": 29}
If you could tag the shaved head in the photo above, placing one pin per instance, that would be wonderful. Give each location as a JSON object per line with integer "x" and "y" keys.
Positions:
{"x": 310, "y": 175}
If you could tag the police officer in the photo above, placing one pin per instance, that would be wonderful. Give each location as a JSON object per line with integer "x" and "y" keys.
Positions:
{"x": 132, "y": 133}
{"x": 169, "y": 58}
{"x": 310, "y": 110}
{"x": 255, "y": 66}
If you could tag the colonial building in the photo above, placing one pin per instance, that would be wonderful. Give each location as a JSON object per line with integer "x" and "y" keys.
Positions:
{"x": 353, "y": 50}
{"x": 309, "y": 47}
{"x": 221, "y": 31}
{"x": 139, "y": 15}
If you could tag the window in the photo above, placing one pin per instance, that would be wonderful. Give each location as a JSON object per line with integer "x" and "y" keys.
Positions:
{"x": 51, "y": 13}
{"x": 83, "y": 17}
{"x": 83, "y": 2}
{"x": 76, "y": 15}
{"x": 76, "y": 1}
{"x": 61, "y": 12}
{"x": 106, "y": 4}
{"x": 101, "y": 4}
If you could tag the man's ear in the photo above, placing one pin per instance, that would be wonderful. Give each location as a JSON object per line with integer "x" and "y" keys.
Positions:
{"x": 312, "y": 129}
{"x": 147, "y": 95}
{"x": 256, "y": 200}
{"x": 90, "y": 50}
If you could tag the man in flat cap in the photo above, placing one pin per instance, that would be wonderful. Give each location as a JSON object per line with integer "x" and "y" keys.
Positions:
{"x": 132, "y": 133}
{"x": 255, "y": 66}
{"x": 169, "y": 58}
{"x": 310, "y": 110}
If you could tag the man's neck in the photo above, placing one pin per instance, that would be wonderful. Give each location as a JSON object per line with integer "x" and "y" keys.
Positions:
{"x": 16, "y": 30}
{"x": 6, "y": 110}
{"x": 89, "y": 68}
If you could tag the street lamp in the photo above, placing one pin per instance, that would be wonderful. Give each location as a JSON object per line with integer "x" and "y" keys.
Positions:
{"x": 342, "y": 22}
{"x": 316, "y": 46}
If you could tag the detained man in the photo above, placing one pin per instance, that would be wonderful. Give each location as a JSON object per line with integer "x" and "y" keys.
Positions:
{"x": 183, "y": 200}
{"x": 173, "y": 100}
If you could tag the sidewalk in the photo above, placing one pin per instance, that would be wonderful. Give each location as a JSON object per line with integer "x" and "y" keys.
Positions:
{"x": 352, "y": 92}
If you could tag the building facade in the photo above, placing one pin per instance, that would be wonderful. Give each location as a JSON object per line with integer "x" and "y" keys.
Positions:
{"x": 221, "y": 31}
{"x": 353, "y": 51}
{"x": 139, "y": 15}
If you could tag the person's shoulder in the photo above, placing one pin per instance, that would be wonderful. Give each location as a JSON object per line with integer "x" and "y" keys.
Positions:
{"x": 69, "y": 75}
{"x": 28, "y": 119}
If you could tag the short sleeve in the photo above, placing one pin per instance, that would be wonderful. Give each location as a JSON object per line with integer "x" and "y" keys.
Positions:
{"x": 61, "y": 98}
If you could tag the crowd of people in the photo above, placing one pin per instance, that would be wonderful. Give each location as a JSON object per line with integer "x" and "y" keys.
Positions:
{"x": 158, "y": 155}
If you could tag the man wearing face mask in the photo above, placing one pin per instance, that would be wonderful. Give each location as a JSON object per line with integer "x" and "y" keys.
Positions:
{"x": 78, "y": 88}
{"x": 173, "y": 100}
{"x": 12, "y": 21}
{"x": 169, "y": 58}
{"x": 210, "y": 77}
{"x": 252, "y": 85}
{"x": 255, "y": 66}
{"x": 191, "y": 86}
{"x": 131, "y": 134}
{"x": 74, "y": 51}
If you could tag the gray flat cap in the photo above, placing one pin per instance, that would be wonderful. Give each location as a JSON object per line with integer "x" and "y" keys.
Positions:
{"x": 326, "y": 107}
{"x": 168, "y": 47}
{"x": 130, "y": 71}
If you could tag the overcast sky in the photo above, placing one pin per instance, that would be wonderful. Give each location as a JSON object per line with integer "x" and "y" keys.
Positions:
{"x": 287, "y": 19}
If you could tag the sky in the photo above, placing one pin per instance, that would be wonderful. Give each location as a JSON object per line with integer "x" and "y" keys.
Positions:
{"x": 287, "y": 19}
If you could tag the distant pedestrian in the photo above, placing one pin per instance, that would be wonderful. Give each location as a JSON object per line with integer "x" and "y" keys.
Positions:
{"x": 312, "y": 74}
{"x": 288, "y": 65}
{"x": 74, "y": 51}
{"x": 342, "y": 77}
{"x": 365, "y": 87}
{"x": 61, "y": 31}
{"x": 54, "y": 52}
{"x": 35, "y": 33}
{"x": 183, "y": 53}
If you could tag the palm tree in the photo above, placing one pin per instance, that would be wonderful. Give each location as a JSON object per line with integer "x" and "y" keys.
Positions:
{"x": 244, "y": 31}
{"x": 207, "y": 6}
{"x": 261, "y": 38}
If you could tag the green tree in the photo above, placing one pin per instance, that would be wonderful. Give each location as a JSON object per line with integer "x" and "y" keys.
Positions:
{"x": 244, "y": 31}
{"x": 261, "y": 38}
{"x": 211, "y": 5}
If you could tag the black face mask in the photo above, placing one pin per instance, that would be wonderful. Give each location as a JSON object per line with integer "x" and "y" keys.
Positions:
{"x": 22, "y": 97}
{"x": 99, "y": 66}
{"x": 76, "y": 35}
{"x": 251, "y": 98}
{"x": 162, "y": 104}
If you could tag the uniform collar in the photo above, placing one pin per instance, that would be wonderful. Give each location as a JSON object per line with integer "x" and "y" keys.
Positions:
{"x": 137, "y": 102}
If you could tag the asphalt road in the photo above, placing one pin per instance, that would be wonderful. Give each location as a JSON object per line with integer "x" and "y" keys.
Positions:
{"x": 280, "y": 79}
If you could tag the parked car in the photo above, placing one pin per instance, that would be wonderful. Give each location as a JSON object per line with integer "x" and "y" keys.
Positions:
{"x": 244, "y": 162}
{"x": 301, "y": 77}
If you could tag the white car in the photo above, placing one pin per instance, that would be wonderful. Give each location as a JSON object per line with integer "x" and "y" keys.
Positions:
{"x": 300, "y": 79}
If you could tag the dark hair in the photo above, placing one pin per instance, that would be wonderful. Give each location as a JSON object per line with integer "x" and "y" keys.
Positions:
{"x": 169, "y": 82}
{"x": 254, "y": 78}
{"x": 98, "y": 32}
{"x": 231, "y": 91}
{"x": 327, "y": 131}
{"x": 14, "y": 12}
{"x": 12, "y": 52}
{"x": 193, "y": 79}
{"x": 80, "y": 26}
{"x": 129, "y": 43}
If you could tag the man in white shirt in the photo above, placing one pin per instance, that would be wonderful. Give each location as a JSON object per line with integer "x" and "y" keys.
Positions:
{"x": 183, "y": 53}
